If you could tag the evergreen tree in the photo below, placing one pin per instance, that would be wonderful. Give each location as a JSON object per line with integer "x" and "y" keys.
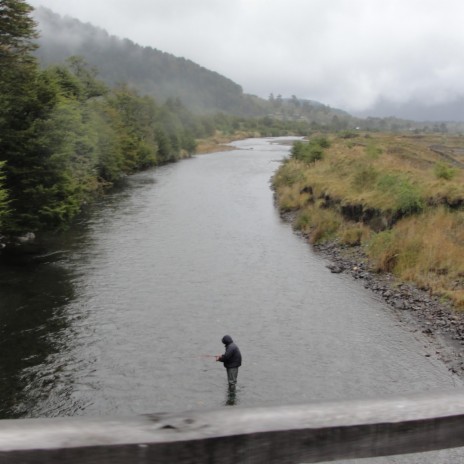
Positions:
{"x": 36, "y": 178}
{"x": 135, "y": 118}
{"x": 17, "y": 31}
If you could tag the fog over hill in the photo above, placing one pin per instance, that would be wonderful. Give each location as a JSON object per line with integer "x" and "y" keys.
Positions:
{"x": 395, "y": 58}
{"x": 163, "y": 75}
{"x": 418, "y": 110}
{"x": 151, "y": 71}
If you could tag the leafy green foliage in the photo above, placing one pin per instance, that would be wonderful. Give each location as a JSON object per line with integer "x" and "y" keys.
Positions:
{"x": 408, "y": 197}
{"x": 310, "y": 152}
{"x": 444, "y": 171}
{"x": 64, "y": 134}
{"x": 320, "y": 141}
{"x": 28, "y": 99}
{"x": 17, "y": 29}
{"x": 150, "y": 71}
{"x": 38, "y": 161}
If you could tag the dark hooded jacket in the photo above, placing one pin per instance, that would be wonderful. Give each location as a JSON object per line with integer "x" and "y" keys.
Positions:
{"x": 232, "y": 357}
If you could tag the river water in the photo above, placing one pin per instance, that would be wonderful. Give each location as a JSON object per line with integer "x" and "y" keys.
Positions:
{"x": 123, "y": 312}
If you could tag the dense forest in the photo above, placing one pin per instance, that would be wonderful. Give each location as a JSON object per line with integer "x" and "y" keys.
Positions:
{"x": 65, "y": 135}
{"x": 161, "y": 76}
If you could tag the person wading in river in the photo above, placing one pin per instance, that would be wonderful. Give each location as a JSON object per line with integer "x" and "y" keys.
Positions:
{"x": 232, "y": 360}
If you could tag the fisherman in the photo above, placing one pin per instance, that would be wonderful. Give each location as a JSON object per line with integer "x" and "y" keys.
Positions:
{"x": 232, "y": 360}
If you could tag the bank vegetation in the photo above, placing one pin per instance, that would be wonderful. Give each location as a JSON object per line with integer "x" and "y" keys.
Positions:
{"x": 398, "y": 197}
{"x": 66, "y": 136}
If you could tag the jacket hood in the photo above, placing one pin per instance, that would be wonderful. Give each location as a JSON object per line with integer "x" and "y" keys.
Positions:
{"x": 227, "y": 339}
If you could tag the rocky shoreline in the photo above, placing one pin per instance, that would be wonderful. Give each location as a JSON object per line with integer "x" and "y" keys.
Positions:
{"x": 418, "y": 310}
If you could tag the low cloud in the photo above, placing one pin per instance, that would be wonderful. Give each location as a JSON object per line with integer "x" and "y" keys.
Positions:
{"x": 350, "y": 54}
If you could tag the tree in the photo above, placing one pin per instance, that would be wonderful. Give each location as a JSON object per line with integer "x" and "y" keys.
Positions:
{"x": 87, "y": 76}
{"x": 17, "y": 31}
{"x": 135, "y": 125}
{"x": 295, "y": 101}
{"x": 35, "y": 163}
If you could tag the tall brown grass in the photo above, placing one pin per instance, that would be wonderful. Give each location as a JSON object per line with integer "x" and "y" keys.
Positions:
{"x": 320, "y": 224}
{"x": 397, "y": 176}
{"x": 427, "y": 249}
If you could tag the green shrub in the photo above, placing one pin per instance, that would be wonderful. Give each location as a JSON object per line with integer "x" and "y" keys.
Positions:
{"x": 298, "y": 149}
{"x": 311, "y": 151}
{"x": 407, "y": 197}
{"x": 444, "y": 171}
{"x": 314, "y": 154}
{"x": 321, "y": 141}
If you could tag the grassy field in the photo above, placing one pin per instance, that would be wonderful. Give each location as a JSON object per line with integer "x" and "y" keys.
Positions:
{"x": 400, "y": 197}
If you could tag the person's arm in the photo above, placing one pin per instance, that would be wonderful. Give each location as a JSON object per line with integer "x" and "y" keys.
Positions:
{"x": 227, "y": 355}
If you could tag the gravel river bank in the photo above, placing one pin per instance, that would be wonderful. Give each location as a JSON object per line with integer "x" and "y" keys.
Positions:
{"x": 418, "y": 309}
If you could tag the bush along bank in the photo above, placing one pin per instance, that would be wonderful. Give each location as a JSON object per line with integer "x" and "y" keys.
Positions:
{"x": 388, "y": 209}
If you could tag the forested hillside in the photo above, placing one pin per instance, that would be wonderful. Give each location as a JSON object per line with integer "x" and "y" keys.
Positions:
{"x": 152, "y": 72}
{"x": 65, "y": 135}
{"x": 160, "y": 75}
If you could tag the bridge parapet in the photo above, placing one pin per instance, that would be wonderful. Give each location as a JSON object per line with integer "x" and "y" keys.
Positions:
{"x": 308, "y": 433}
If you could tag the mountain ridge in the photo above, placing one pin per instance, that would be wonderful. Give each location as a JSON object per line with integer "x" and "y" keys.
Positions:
{"x": 162, "y": 75}
{"x": 122, "y": 61}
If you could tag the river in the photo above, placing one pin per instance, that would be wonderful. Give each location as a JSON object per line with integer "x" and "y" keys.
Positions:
{"x": 123, "y": 312}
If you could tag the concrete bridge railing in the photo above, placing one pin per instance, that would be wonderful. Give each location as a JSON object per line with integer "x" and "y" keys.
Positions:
{"x": 276, "y": 435}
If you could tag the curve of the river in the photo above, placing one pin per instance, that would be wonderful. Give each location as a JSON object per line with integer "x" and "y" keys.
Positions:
{"x": 122, "y": 316}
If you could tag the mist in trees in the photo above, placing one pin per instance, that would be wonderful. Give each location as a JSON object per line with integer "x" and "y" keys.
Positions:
{"x": 65, "y": 135}
{"x": 151, "y": 71}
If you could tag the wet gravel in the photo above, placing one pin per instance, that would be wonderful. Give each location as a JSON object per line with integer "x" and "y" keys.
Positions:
{"x": 438, "y": 319}
{"x": 418, "y": 309}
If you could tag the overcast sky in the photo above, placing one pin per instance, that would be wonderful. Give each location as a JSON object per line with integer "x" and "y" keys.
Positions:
{"x": 348, "y": 54}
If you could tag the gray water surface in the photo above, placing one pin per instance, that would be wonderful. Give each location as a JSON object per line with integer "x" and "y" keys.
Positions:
{"x": 122, "y": 316}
